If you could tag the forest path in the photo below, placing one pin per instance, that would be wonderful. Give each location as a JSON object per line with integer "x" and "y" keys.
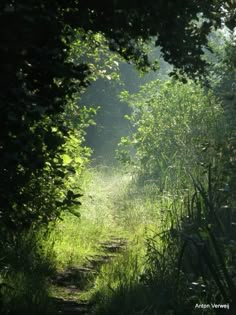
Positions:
{"x": 101, "y": 227}
{"x": 72, "y": 283}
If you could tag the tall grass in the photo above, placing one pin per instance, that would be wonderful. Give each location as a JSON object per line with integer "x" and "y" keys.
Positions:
{"x": 111, "y": 207}
{"x": 117, "y": 288}
{"x": 180, "y": 247}
{"x": 142, "y": 212}
{"x": 193, "y": 261}
{"x": 24, "y": 288}
{"x": 77, "y": 238}
{"x": 184, "y": 256}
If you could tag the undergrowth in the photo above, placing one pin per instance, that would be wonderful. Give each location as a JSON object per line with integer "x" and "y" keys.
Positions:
{"x": 180, "y": 249}
{"x": 112, "y": 207}
{"x": 187, "y": 259}
{"x": 24, "y": 285}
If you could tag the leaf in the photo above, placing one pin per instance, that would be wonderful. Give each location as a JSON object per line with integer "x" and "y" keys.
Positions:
{"x": 66, "y": 159}
{"x": 79, "y": 160}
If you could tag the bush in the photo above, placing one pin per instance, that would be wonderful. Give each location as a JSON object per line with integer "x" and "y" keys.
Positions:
{"x": 177, "y": 125}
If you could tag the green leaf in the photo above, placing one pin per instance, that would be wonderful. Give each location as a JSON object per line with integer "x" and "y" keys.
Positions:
{"x": 66, "y": 159}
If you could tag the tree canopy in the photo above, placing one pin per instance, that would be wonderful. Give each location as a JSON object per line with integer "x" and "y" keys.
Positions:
{"x": 179, "y": 27}
{"x": 44, "y": 68}
{"x": 38, "y": 78}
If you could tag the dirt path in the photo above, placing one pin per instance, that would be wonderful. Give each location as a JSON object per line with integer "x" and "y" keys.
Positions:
{"x": 74, "y": 282}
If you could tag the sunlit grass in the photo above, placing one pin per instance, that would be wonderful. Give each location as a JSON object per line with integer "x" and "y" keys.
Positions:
{"x": 77, "y": 238}
{"x": 112, "y": 206}
{"x": 117, "y": 286}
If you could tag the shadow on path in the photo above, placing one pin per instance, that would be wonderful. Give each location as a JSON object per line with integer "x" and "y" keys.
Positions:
{"x": 75, "y": 281}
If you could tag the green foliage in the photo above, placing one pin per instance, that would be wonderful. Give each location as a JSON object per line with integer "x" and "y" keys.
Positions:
{"x": 110, "y": 122}
{"x": 101, "y": 217}
{"x": 92, "y": 48}
{"x": 23, "y": 287}
{"x": 42, "y": 153}
{"x": 222, "y": 71}
{"x": 118, "y": 284}
{"x": 39, "y": 76}
{"x": 184, "y": 129}
{"x": 38, "y": 81}
{"x": 41, "y": 150}
{"x": 176, "y": 127}
{"x": 188, "y": 257}
{"x": 191, "y": 258}
{"x": 194, "y": 257}
{"x": 179, "y": 32}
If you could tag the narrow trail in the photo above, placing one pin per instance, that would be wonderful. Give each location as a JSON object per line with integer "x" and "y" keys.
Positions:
{"x": 75, "y": 281}
{"x": 101, "y": 206}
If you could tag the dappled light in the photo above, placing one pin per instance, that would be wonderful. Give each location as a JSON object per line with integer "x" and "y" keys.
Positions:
{"x": 117, "y": 157}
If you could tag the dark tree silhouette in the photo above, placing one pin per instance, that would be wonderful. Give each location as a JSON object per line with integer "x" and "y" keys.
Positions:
{"x": 37, "y": 79}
